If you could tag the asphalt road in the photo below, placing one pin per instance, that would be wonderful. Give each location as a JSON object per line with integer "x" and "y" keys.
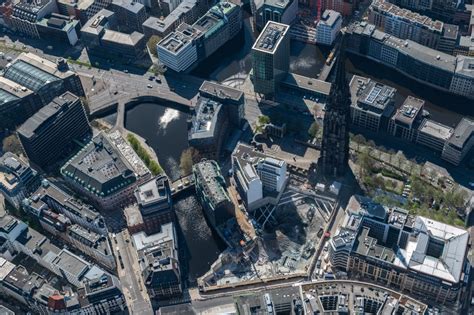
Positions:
{"x": 134, "y": 291}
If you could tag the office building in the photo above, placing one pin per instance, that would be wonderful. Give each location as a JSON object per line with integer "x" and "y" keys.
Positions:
{"x": 178, "y": 50}
{"x": 334, "y": 158}
{"x": 154, "y": 207}
{"x": 100, "y": 35}
{"x": 465, "y": 46}
{"x": 372, "y": 103}
{"x": 25, "y": 14}
{"x": 408, "y": 118}
{"x": 405, "y": 24}
{"x": 212, "y": 192}
{"x": 82, "y": 10}
{"x": 423, "y": 64}
{"x": 460, "y": 143}
{"x": 59, "y": 29}
{"x": 280, "y": 11}
{"x": 328, "y": 27}
{"x": 306, "y": 87}
{"x": 107, "y": 171}
{"x": 232, "y": 100}
{"x": 259, "y": 178}
{"x": 433, "y": 135}
{"x": 49, "y": 134}
{"x": 50, "y": 197}
{"x": 463, "y": 79}
{"x": 270, "y": 58}
{"x": 209, "y": 128}
{"x": 30, "y": 82}
{"x": 101, "y": 293}
{"x": 18, "y": 103}
{"x": 440, "y": 9}
{"x": 188, "y": 11}
{"x": 416, "y": 255}
{"x": 188, "y": 45}
{"x": 130, "y": 15}
{"x": 159, "y": 262}
{"x": 17, "y": 179}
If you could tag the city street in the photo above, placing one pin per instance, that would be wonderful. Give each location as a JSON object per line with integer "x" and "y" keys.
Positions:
{"x": 134, "y": 290}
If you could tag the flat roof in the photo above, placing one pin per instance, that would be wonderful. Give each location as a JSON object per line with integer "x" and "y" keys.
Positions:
{"x": 409, "y": 110}
{"x": 463, "y": 131}
{"x": 388, "y": 8}
{"x": 208, "y": 173}
{"x": 436, "y": 129}
{"x": 122, "y": 38}
{"x": 153, "y": 191}
{"x": 205, "y": 119}
{"x": 48, "y": 112}
{"x": 221, "y": 91}
{"x": 142, "y": 241}
{"x": 129, "y": 5}
{"x": 307, "y": 83}
{"x": 71, "y": 263}
{"x": 330, "y": 17}
{"x": 178, "y": 40}
{"x": 270, "y": 37}
{"x": 370, "y": 94}
{"x": 100, "y": 167}
{"x": 465, "y": 66}
{"x": 163, "y": 26}
{"x": 408, "y": 47}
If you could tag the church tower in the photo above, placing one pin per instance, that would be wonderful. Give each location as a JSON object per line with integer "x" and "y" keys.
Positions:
{"x": 334, "y": 158}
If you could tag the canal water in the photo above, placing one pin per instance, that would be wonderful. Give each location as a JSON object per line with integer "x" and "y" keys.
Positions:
{"x": 165, "y": 129}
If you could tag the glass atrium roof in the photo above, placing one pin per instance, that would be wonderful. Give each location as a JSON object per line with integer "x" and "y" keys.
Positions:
{"x": 28, "y": 75}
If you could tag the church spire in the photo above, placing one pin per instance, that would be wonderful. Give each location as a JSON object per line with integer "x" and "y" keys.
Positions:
{"x": 334, "y": 158}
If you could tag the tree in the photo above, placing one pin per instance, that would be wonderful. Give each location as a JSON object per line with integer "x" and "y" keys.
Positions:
{"x": 359, "y": 139}
{"x": 189, "y": 157}
{"x": 12, "y": 144}
{"x": 263, "y": 120}
{"x": 365, "y": 162}
{"x": 151, "y": 44}
{"x": 313, "y": 129}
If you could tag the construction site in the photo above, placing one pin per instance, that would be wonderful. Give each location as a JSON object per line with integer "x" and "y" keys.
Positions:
{"x": 283, "y": 248}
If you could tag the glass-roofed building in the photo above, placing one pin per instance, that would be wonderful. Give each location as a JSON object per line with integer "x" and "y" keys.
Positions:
{"x": 30, "y": 82}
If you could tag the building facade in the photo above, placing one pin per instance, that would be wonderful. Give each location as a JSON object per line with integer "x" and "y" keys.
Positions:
{"x": 190, "y": 44}
{"x": 372, "y": 103}
{"x": 270, "y": 58}
{"x": 328, "y": 27}
{"x": 159, "y": 262}
{"x": 258, "y": 178}
{"x": 107, "y": 171}
{"x": 413, "y": 254}
{"x": 460, "y": 143}
{"x": 212, "y": 193}
{"x": 17, "y": 179}
{"x": 56, "y": 125}
{"x": 423, "y": 64}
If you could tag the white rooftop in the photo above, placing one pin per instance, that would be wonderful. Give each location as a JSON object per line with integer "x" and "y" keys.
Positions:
{"x": 450, "y": 264}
